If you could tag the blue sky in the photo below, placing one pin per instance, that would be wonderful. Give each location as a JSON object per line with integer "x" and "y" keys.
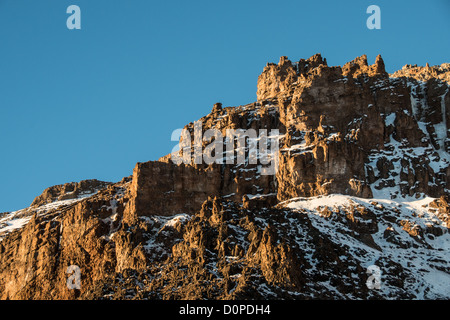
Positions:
{"x": 90, "y": 103}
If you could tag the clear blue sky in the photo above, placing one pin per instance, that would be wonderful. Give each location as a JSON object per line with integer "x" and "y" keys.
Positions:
{"x": 90, "y": 103}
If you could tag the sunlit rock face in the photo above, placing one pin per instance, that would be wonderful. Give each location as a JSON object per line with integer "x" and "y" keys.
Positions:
{"x": 361, "y": 180}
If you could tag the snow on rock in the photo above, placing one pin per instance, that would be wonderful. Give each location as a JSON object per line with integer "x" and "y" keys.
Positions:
{"x": 18, "y": 219}
{"x": 401, "y": 234}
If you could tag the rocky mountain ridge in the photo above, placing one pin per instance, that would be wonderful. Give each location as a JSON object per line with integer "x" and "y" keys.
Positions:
{"x": 362, "y": 179}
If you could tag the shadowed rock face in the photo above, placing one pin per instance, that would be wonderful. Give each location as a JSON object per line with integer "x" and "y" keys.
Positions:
{"x": 226, "y": 231}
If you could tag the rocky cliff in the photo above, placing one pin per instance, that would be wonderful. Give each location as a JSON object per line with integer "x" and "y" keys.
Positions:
{"x": 361, "y": 180}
